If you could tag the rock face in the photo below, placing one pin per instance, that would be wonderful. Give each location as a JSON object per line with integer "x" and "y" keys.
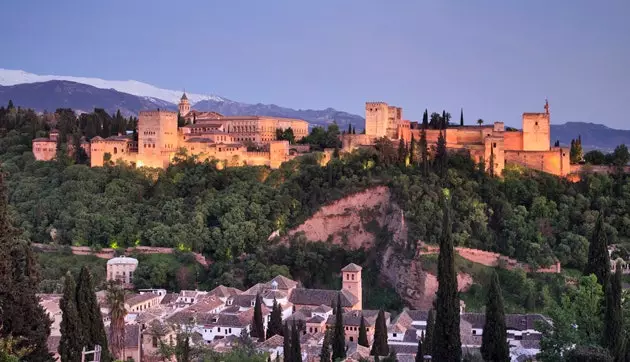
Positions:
{"x": 352, "y": 222}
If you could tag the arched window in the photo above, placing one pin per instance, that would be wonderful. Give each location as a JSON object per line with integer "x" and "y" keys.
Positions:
{"x": 115, "y": 150}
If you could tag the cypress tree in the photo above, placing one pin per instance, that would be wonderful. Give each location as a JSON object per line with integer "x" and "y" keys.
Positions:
{"x": 494, "y": 346}
{"x": 275, "y": 322}
{"x": 90, "y": 318}
{"x": 428, "y": 338}
{"x": 349, "y": 129}
{"x": 296, "y": 349}
{"x": 258, "y": 328}
{"x": 70, "y": 343}
{"x": 424, "y": 147}
{"x": 379, "y": 345}
{"x": 461, "y": 117}
{"x": 286, "y": 343}
{"x": 440, "y": 153}
{"x": 363, "y": 338}
{"x": 10, "y": 106}
{"x": 598, "y": 259}
{"x": 402, "y": 152}
{"x": 447, "y": 344}
{"x": 339, "y": 336}
{"x": 354, "y": 130}
{"x": 613, "y": 337}
{"x": 22, "y": 318}
{"x": 324, "y": 354}
{"x": 412, "y": 150}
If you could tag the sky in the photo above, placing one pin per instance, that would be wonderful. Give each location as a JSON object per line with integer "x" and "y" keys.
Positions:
{"x": 495, "y": 59}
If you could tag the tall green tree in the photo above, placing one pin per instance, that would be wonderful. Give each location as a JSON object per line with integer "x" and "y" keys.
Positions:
{"x": 258, "y": 327}
{"x": 576, "y": 153}
{"x": 296, "y": 349}
{"x": 324, "y": 354}
{"x": 275, "y": 321}
{"x": 22, "y": 318}
{"x": 577, "y": 321}
{"x": 419, "y": 352}
{"x": 447, "y": 344}
{"x": 428, "y": 338}
{"x": 286, "y": 343}
{"x": 412, "y": 151}
{"x": 363, "y": 338}
{"x": 70, "y": 346}
{"x": 93, "y": 329}
{"x": 379, "y": 345}
{"x": 598, "y": 259}
{"x": 441, "y": 155}
{"x": 424, "y": 147}
{"x": 339, "y": 335}
{"x": 494, "y": 345}
{"x": 402, "y": 152}
{"x": 117, "y": 313}
{"x": 613, "y": 337}
{"x": 349, "y": 128}
{"x": 461, "y": 117}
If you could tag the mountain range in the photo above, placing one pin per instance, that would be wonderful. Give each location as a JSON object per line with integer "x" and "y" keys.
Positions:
{"x": 49, "y": 92}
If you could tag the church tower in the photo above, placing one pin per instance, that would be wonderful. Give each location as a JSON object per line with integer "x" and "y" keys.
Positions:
{"x": 184, "y": 105}
{"x": 351, "y": 281}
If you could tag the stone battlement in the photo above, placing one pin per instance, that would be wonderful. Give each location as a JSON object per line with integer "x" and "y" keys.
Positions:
{"x": 157, "y": 112}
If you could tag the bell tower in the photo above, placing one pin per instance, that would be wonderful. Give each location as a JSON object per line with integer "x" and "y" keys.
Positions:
{"x": 351, "y": 281}
{"x": 184, "y": 105}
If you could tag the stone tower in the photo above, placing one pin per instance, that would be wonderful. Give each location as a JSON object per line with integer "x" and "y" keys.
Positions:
{"x": 382, "y": 120}
{"x": 536, "y": 131}
{"x": 157, "y": 137}
{"x": 184, "y": 105}
{"x": 351, "y": 281}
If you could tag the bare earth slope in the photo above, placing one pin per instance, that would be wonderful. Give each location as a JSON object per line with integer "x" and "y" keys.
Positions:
{"x": 351, "y": 222}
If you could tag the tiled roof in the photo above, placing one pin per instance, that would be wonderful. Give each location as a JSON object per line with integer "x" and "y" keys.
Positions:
{"x": 213, "y": 319}
{"x": 353, "y": 318}
{"x": 516, "y": 322}
{"x": 352, "y": 267}
{"x": 134, "y": 299}
{"x": 411, "y": 336}
{"x": 317, "y": 297}
{"x": 42, "y": 139}
{"x": 273, "y": 342}
{"x": 322, "y": 309}
{"x": 530, "y": 343}
{"x": 403, "y": 348}
{"x": 418, "y": 315}
{"x": 169, "y": 298}
{"x": 222, "y": 291}
{"x": 284, "y": 283}
{"x": 242, "y": 300}
{"x": 132, "y": 335}
{"x": 315, "y": 319}
{"x": 273, "y": 294}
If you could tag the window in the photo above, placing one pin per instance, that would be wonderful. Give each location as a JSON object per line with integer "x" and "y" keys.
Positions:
{"x": 351, "y": 339}
{"x": 474, "y": 332}
{"x": 154, "y": 342}
{"x": 394, "y": 335}
{"x": 347, "y": 276}
{"x": 352, "y": 276}
{"x": 115, "y": 150}
{"x": 536, "y": 123}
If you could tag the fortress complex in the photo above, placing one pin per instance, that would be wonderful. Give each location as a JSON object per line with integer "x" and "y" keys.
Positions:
{"x": 529, "y": 147}
{"x": 207, "y": 135}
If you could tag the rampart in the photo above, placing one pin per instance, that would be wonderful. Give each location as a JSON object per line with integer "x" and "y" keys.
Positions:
{"x": 491, "y": 259}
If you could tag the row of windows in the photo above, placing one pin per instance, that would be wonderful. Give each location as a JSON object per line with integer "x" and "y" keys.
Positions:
{"x": 37, "y": 149}
{"x": 349, "y": 275}
{"x": 148, "y": 133}
{"x": 147, "y": 145}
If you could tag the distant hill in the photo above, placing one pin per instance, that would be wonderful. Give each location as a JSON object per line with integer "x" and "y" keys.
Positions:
{"x": 48, "y": 96}
{"x": 53, "y": 94}
{"x": 594, "y": 136}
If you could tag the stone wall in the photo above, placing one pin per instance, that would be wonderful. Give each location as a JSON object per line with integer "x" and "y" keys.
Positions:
{"x": 536, "y": 132}
{"x": 555, "y": 161}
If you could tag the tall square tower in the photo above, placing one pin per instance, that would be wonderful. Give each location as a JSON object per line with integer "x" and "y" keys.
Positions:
{"x": 536, "y": 131}
{"x": 376, "y": 118}
{"x": 157, "y": 137}
{"x": 351, "y": 281}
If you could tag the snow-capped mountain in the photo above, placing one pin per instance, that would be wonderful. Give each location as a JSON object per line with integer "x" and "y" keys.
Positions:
{"x": 13, "y": 77}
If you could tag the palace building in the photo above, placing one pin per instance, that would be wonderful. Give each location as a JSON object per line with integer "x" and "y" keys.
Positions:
{"x": 529, "y": 147}
{"x": 207, "y": 135}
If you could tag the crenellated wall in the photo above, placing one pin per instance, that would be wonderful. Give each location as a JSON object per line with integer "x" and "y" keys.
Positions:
{"x": 554, "y": 161}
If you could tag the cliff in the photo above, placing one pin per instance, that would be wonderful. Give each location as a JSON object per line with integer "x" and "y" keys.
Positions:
{"x": 357, "y": 221}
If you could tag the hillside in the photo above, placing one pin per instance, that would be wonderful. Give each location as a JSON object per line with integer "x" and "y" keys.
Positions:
{"x": 48, "y": 96}
{"x": 594, "y": 136}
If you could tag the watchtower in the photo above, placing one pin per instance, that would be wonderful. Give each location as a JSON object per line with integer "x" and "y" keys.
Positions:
{"x": 536, "y": 131}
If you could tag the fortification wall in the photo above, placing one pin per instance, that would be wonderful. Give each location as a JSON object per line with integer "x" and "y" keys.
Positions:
{"x": 491, "y": 259}
{"x": 513, "y": 140}
{"x": 554, "y": 161}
